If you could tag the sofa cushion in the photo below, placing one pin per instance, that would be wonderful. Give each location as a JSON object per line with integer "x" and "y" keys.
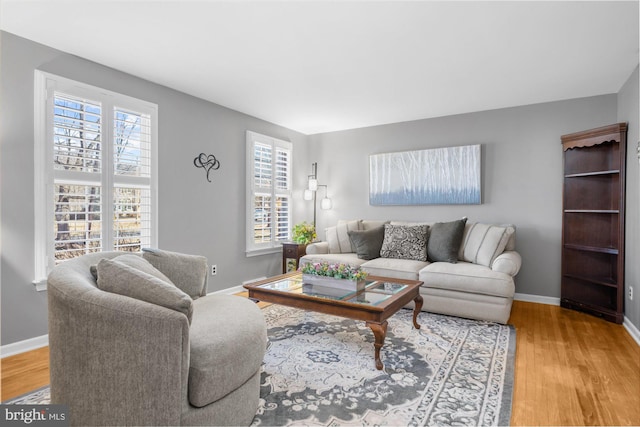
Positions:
{"x": 338, "y": 237}
{"x": 350, "y": 258}
{"x": 367, "y": 224}
{"x": 367, "y": 242}
{"x": 482, "y": 243}
{"x": 221, "y": 362}
{"x": 467, "y": 277}
{"x": 119, "y": 278}
{"x": 187, "y": 272}
{"x": 405, "y": 242}
{"x": 444, "y": 240}
{"x": 395, "y": 268}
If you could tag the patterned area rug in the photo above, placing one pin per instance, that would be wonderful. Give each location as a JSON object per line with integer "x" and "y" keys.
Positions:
{"x": 319, "y": 371}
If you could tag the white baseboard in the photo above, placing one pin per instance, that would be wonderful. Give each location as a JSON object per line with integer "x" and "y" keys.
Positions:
{"x": 235, "y": 289}
{"x": 537, "y": 298}
{"x": 24, "y": 346}
{"x": 630, "y": 327}
{"x": 633, "y": 331}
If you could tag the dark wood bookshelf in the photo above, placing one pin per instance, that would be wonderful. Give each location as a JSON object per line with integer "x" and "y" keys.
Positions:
{"x": 593, "y": 221}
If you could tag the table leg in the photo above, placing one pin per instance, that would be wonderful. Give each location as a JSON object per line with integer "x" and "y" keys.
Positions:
{"x": 416, "y": 310}
{"x": 379, "y": 332}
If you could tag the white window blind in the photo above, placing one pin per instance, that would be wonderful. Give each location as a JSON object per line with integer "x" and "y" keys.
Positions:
{"x": 95, "y": 178}
{"x": 268, "y": 192}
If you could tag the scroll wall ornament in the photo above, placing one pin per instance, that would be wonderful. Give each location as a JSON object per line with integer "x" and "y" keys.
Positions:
{"x": 208, "y": 163}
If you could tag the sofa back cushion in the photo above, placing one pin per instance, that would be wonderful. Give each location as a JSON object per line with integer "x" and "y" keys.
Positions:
{"x": 123, "y": 279}
{"x": 405, "y": 242}
{"x": 338, "y": 237}
{"x": 482, "y": 243}
{"x": 368, "y": 224}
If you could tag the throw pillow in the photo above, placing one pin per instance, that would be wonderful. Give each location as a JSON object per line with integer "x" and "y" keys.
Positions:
{"x": 367, "y": 242}
{"x": 482, "y": 243}
{"x": 338, "y": 238}
{"x": 119, "y": 278}
{"x": 143, "y": 265}
{"x": 405, "y": 242}
{"x": 444, "y": 241}
{"x": 187, "y": 272}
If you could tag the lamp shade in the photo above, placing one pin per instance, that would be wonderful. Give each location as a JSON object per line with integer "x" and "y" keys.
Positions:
{"x": 308, "y": 195}
{"x": 326, "y": 203}
{"x": 313, "y": 184}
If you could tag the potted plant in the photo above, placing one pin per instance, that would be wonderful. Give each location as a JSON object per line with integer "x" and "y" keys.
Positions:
{"x": 341, "y": 276}
{"x": 304, "y": 233}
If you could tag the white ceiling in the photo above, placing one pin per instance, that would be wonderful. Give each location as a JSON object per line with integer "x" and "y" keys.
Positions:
{"x": 320, "y": 66}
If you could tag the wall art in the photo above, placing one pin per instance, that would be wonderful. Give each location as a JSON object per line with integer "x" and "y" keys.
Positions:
{"x": 208, "y": 163}
{"x": 438, "y": 176}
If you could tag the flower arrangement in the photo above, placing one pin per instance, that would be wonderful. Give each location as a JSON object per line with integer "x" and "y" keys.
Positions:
{"x": 337, "y": 271}
{"x": 304, "y": 233}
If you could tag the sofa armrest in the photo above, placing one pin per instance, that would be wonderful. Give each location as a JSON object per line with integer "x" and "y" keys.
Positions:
{"x": 508, "y": 262}
{"x": 318, "y": 248}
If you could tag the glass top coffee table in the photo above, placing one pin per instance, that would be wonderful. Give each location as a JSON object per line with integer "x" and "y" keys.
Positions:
{"x": 380, "y": 299}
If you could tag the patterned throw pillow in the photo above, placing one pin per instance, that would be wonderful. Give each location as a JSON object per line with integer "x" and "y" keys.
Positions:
{"x": 405, "y": 242}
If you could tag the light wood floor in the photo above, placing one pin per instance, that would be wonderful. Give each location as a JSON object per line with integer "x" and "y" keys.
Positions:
{"x": 571, "y": 369}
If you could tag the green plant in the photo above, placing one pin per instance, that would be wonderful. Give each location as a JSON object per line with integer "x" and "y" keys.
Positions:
{"x": 304, "y": 233}
{"x": 338, "y": 271}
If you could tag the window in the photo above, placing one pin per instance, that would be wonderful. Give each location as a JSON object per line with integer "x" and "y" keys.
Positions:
{"x": 268, "y": 193}
{"x": 95, "y": 172}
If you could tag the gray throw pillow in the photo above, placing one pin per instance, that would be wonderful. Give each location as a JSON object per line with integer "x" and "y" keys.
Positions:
{"x": 122, "y": 279}
{"x": 405, "y": 242}
{"x": 367, "y": 242}
{"x": 187, "y": 272}
{"x": 444, "y": 241}
{"x": 136, "y": 262}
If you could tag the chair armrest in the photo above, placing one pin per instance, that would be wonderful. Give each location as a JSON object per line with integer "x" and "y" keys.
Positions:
{"x": 318, "y": 248}
{"x": 508, "y": 262}
{"x": 99, "y": 341}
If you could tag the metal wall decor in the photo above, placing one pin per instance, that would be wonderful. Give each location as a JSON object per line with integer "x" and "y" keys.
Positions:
{"x": 208, "y": 163}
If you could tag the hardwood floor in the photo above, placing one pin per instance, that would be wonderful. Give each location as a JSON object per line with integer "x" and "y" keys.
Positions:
{"x": 24, "y": 372}
{"x": 571, "y": 369}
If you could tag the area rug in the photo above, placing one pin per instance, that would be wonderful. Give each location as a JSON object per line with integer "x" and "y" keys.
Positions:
{"x": 319, "y": 371}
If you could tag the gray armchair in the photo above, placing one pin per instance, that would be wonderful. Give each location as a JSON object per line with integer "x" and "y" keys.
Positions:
{"x": 118, "y": 360}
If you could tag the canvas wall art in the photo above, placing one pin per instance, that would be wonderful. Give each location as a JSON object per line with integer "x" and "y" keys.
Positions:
{"x": 438, "y": 176}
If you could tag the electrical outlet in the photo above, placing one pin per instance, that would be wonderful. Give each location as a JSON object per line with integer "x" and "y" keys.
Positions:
{"x": 214, "y": 269}
{"x": 630, "y": 293}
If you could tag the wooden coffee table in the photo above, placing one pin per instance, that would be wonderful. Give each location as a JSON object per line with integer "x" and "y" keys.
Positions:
{"x": 381, "y": 298}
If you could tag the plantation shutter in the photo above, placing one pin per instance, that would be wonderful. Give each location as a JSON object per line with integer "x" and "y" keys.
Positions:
{"x": 77, "y": 165}
{"x": 132, "y": 180}
{"x": 268, "y": 192}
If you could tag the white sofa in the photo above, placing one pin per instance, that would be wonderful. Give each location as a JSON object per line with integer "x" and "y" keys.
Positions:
{"x": 479, "y": 286}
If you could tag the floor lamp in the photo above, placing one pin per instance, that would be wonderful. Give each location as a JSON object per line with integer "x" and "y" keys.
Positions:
{"x": 311, "y": 192}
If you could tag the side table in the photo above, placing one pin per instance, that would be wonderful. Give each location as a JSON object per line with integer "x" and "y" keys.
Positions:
{"x": 291, "y": 253}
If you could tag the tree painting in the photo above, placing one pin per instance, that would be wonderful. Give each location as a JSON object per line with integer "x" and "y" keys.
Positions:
{"x": 439, "y": 176}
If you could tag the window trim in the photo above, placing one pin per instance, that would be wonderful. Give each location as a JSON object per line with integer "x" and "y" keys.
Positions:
{"x": 44, "y": 86}
{"x": 273, "y": 246}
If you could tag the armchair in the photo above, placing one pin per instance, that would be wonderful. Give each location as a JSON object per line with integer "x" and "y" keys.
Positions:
{"x": 118, "y": 360}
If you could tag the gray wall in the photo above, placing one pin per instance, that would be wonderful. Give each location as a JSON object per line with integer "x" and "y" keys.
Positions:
{"x": 521, "y": 167}
{"x": 522, "y": 176}
{"x": 195, "y": 216}
{"x": 628, "y": 100}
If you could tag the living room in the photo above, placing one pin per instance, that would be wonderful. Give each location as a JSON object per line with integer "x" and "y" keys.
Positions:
{"x": 205, "y": 213}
